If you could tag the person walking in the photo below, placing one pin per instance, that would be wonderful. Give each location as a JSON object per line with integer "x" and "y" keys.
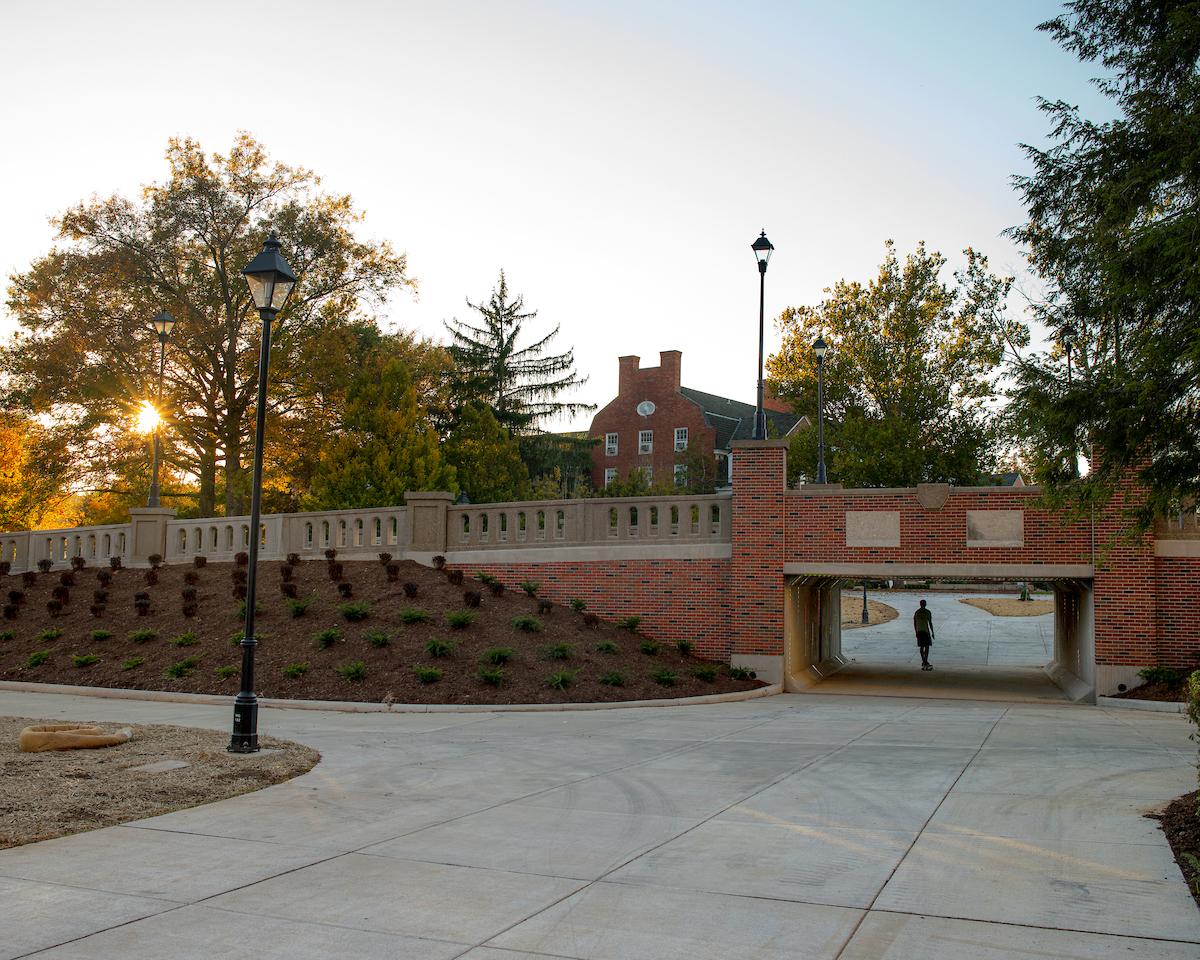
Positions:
{"x": 923, "y": 625}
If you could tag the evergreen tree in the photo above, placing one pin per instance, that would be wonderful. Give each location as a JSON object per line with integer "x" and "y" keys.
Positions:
{"x": 1114, "y": 216}
{"x": 385, "y": 445}
{"x": 521, "y": 384}
{"x": 485, "y": 458}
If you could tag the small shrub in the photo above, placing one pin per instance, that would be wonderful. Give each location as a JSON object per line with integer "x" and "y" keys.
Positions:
{"x": 96, "y": 610}
{"x": 10, "y": 611}
{"x": 355, "y": 611}
{"x": 496, "y": 588}
{"x": 294, "y": 670}
{"x": 5, "y": 568}
{"x": 85, "y": 660}
{"x": 560, "y": 679}
{"x": 67, "y": 578}
{"x": 188, "y": 594}
{"x": 545, "y": 606}
{"x": 629, "y": 623}
{"x": 61, "y": 594}
{"x": 238, "y": 574}
{"x": 336, "y": 569}
{"x": 236, "y": 639}
{"x": 345, "y": 590}
{"x": 439, "y": 648}
{"x": 190, "y": 609}
{"x": 188, "y": 639}
{"x": 327, "y": 638}
{"x": 177, "y": 671}
{"x": 577, "y": 605}
{"x": 530, "y": 587}
{"x": 155, "y": 560}
{"x": 683, "y": 646}
{"x": 378, "y": 639}
{"x": 485, "y": 578}
{"x": 37, "y": 658}
{"x": 45, "y": 565}
{"x": 427, "y": 674}
{"x": 288, "y": 589}
{"x": 1167, "y": 676}
{"x": 460, "y": 619}
{"x": 355, "y": 671}
{"x": 114, "y": 563}
{"x": 199, "y": 562}
{"x": 559, "y": 651}
{"x": 472, "y": 598}
{"x": 98, "y": 635}
{"x": 607, "y": 646}
{"x": 191, "y": 577}
{"x": 496, "y": 656}
{"x": 650, "y": 648}
{"x": 141, "y": 595}
{"x": 28, "y": 578}
{"x": 393, "y": 572}
{"x": 132, "y": 663}
{"x": 742, "y": 673}
{"x": 78, "y": 563}
{"x": 103, "y": 577}
{"x": 151, "y": 576}
{"x": 455, "y": 577}
{"x": 50, "y": 635}
{"x": 297, "y": 606}
{"x": 54, "y": 607}
{"x": 706, "y": 672}
{"x": 614, "y": 678}
{"x": 527, "y": 624}
{"x": 439, "y": 562}
{"x": 240, "y": 591}
{"x": 293, "y": 559}
{"x": 6, "y": 635}
{"x": 226, "y": 671}
{"x": 241, "y": 558}
{"x": 415, "y": 615}
{"x": 258, "y": 608}
{"x": 140, "y": 636}
{"x": 664, "y": 677}
{"x": 492, "y": 676}
{"x": 591, "y": 621}
{"x": 330, "y": 554}
{"x": 385, "y": 559}
{"x": 287, "y": 572}
{"x": 99, "y": 596}
{"x": 410, "y": 590}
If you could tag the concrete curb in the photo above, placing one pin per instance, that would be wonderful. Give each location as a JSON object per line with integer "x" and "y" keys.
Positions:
{"x": 1153, "y": 706}
{"x": 345, "y": 706}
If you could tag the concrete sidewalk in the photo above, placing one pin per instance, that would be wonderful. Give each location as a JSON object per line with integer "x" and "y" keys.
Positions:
{"x": 793, "y": 827}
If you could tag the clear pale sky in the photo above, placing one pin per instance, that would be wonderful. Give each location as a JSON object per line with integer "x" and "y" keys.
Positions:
{"x": 616, "y": 158}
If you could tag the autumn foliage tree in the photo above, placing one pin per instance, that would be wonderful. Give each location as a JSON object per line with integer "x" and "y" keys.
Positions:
{"x": 486, "y": 459}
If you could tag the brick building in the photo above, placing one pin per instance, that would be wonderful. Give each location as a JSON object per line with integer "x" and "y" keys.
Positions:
{"x": 654, "y": 421}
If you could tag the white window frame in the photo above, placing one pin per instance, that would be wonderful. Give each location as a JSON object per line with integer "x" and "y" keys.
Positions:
{"x": 610, "y": 444}
{"x": 680, "y": 474}
{"x": 681, "y": 439}
{"x": 645, "y": 441}
{"x": 610, "y": 475}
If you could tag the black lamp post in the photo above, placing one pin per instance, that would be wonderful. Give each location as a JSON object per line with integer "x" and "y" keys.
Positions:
{"x": 270, "y": 280}
{"x": 866, "y": 616}
{"x": 762, "y": 253}
{"x": 820, "y": 348}
{"x": 163, "y": 323}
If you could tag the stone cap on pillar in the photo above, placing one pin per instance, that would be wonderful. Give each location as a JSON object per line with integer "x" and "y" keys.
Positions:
{"x": 760, "y": 444}
{"x": 427, "y": 520}
{"x": 148, "y": 533}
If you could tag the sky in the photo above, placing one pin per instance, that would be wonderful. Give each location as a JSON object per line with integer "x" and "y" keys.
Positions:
{"x": 616, "y": 159}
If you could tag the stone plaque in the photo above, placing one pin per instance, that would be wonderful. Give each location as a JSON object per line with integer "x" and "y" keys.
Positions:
{"x": 872, "y": 528}
{"x": 995, "y": 528}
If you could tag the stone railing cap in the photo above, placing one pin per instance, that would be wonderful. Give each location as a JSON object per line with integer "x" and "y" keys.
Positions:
{"x": 430, "y": 495}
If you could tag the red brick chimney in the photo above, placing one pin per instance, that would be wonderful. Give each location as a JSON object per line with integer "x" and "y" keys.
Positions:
{"x": 772, "y": 402}
{"x": 669, "y": 361}
{"x": 627, "y": 370}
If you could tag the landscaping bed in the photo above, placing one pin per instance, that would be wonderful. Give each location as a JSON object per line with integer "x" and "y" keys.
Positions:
{"x": 1010, "y": 606}
{"x": 53, "y": 794}
{"x": 391, "y": 653}
{"x": 1180, "y": 821}
{"x": 1161, "y": 692}
{"x": 876, "y": 612}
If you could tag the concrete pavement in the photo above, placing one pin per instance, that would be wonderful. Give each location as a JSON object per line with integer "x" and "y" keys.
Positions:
{"x": 796, "y": 826}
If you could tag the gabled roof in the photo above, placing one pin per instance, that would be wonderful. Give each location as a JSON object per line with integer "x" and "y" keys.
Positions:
{"x": 734, "y": 420}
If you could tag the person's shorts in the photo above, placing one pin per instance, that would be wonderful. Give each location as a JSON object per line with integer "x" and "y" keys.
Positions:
{"x": 924, "y": 639}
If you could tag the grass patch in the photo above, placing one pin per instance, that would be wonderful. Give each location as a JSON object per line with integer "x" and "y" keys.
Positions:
{"x": 85, "y": 660}
{"x": 141, "y": 636}
{"x": 377, "y": 639}
{"x": 298, "y": 606}
{"x": 37, "y": 658}
{"x": 50, "y": 635}
{"x": 440, "y": 648}
{"x": 607, "y": 646}
{"x": 707, "y": 673}
{"x": 294, "y": 670}
{"x": 496, "y": 656}
{"x": 98, "y": 635}
{"x": 460, "y": 619}
{"x": 527, "y": 624}
{"x": 559, "y": 651}
{"x": 177, "y": 671}
{"x": 258, "y": 608}
{"x": 6, "y": 635}
{"x": 355, "y": 671}
{"x": 355, "y": 610}
{"x": 650, "y": 648}
{"x": 614, "y": 678}
{"x": 492, "y": 676}
{"x": 742, "y": 673}
{"x": 530, "y": 587}
{"x": 427, "y": 674}
{"x": 415, "y": 615}
{"x": 327, "y": 638}
{"x": 629, "y": 623}
{"x": 132, "y": 663}
{"x": 226, "y": 671}
{"x": 561, "y": 679}
{"x": 664, "y": 677}
{"x": 577, "y": 605}
{"x": 683, "y": 646}
{"x": 188, "y": 639}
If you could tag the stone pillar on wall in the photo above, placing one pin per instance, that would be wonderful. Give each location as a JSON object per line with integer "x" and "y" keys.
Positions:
{"x": 147, "y": 534}
{"x": 427, "y": 524}
{"x": 756, "y": 586}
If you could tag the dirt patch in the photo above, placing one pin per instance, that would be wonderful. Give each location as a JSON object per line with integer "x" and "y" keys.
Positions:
{"x": 53, "y": 794}
{"x": 876, "y": 612}
{"x": 1010, "y": 606}
{"x": 288, "y": 643}
{"x": 1180, "y": 821}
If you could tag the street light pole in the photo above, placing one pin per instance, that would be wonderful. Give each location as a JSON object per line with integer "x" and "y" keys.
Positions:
{"x": 866, "y": 616}
{"x": 270, "y": 280}
{"x": 762, "y": 248}
{"x": 163, "y": 323}
{"x": 820, "y": 348}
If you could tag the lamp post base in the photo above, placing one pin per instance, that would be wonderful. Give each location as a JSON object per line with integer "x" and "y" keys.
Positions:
{"x": 245, "y": 726}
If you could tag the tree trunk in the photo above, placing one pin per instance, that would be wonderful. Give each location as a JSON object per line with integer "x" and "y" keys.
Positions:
{"x": 208, "y": 479}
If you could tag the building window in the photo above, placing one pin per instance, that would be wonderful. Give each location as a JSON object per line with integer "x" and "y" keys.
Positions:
{"x": 681, "y": 438}
{"x": 680, "y": 475}
{"x": 610, "y": 475}
{"x": 610, "y": 444}
{"x": 645, "y": 441}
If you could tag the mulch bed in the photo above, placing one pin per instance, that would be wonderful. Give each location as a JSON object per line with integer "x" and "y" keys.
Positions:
{"x": 1162, "y": 692}
{"x": 1181, "y": 823}
{"x": 284, "y": 640}
{"x": 877, "y": 612}
{"x": 56, "y": 793}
